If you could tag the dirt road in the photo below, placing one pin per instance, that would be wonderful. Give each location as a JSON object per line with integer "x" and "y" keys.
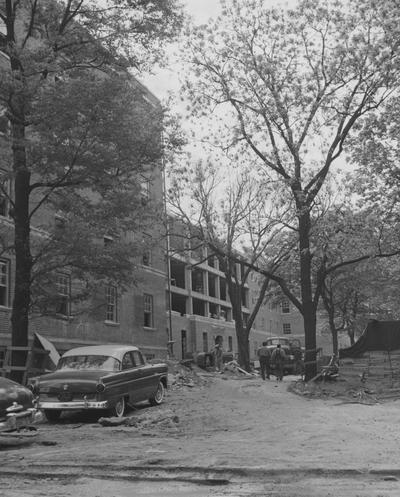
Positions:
{"x": 222, "y": 436}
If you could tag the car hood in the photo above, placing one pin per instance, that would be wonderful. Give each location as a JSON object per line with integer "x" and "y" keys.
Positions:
{"x": 11, "y": 392}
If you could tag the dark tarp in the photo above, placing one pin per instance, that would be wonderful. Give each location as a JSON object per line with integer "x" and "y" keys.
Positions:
{"x": 378, "y": 335}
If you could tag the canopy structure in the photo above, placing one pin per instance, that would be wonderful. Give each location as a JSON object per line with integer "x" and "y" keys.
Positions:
{"x": 54, "y": 356}
{"x": 378, "y": 335}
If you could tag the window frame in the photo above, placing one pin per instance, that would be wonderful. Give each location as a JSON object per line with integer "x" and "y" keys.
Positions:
{"x": 5, "y": 198}
{"x": 64, "y": 290}
{"x": 285, "y": 327}
{"x": 148, "y": 310}
{"x": 111, "y": 304}
{"x": 285, "y": 306}
{"x": 5, "y": 263}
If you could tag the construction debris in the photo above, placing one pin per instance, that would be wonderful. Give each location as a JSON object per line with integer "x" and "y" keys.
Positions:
{"x": 233, "y": 367}
{"x": 149, "y": 419}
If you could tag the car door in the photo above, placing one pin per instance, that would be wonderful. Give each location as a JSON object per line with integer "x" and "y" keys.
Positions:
{"x": 149, "y": 374}
{"x": 120, "y": 383}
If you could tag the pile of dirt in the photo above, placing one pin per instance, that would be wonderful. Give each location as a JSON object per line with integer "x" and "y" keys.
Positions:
{"x": 184, "y": 375}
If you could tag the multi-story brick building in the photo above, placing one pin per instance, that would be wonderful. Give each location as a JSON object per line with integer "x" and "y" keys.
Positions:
{"x": 136, "y": 315}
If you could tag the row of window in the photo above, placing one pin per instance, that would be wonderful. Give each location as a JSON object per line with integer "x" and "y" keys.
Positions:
{"x": 63, "y": 287}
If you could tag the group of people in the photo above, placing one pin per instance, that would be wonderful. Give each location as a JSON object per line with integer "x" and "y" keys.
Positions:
{"x": 268, "y": 360}
{"x": 276, "y": 358}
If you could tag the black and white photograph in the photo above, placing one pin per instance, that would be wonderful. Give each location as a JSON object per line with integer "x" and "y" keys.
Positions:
{"x": 199, "y": 248}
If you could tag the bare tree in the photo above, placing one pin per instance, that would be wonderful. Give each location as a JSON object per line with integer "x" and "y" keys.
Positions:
{"x": 236, "y": 222}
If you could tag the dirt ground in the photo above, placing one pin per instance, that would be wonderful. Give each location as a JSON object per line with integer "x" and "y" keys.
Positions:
{"x": 217, "y": 435}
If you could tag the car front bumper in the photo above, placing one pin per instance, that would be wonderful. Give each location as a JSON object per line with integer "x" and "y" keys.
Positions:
{"x": 20, "y": 420}
{"x": 81, "y": 404}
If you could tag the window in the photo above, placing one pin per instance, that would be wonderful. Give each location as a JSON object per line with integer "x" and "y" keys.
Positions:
{"x": 146, "y": 250}
{"x": 287, "y": 328}
{"x": 205, "y": 341}
{"x": 5, "y": 192}
{"x": 63, "y": 285}
{"x": 146, "y": 258}
{"x": 127, "y": 361}
{"x": 4, "y": 282}
{"x": 111, "y": 296}
{"x": 137, "y": 358}
{"x": 285, "y": 306}
{"x": 148, "y": 310}
{"x": 145, "y": 190}
{"x": 2, "y": 356}
{"x": 230, "y": 344}
{"x": 4, "y": 121}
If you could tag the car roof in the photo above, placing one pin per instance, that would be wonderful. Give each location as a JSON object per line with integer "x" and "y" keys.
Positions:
{"x": 116, "y": 351}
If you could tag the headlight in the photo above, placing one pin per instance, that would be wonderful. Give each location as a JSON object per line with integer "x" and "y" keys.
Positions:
{"x": 100, "y": 387}
{"x": 34, "y": 386}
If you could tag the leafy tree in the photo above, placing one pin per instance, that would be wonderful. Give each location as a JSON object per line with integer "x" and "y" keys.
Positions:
{"x": 290, "y": 86}
{"x": 73, "y": 144}
{"x": 352, "y": 245}
{"x": 356, "y": 294}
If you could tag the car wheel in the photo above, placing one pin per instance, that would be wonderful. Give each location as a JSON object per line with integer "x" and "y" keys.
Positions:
{"x": 158, "y": 397}
{"x": 52, "y": 414}
{"x": 119, "y": 408}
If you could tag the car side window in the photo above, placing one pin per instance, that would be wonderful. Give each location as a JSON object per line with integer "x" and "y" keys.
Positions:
{"x": 127, "y": 362}
{"x": 137, "y": 358}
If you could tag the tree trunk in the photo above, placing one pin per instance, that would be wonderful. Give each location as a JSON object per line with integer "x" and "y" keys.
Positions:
{"x": 330, "y": 309}
{"x": 334, "y": 333}
{"x": 309, "y": 308}
{"x": 23, "y": 258}
{"x": 243, "y": 348}
{"x": 242, "y": 336}
{"x": 350, "y": 332}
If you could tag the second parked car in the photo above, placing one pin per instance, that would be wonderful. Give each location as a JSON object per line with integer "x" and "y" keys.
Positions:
{"x": 17, "y": 412}
{"x": 105, "y": 377}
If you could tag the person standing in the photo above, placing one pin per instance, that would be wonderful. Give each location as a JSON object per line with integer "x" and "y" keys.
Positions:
{"x": 278, "y": 358}
{"x": 264, "y": 356}
{"x": 217, "y": 353}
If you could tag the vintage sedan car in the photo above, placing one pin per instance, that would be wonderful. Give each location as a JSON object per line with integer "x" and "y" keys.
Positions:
{"x": 17, "y": 412}
{"x": 104, "y": 377}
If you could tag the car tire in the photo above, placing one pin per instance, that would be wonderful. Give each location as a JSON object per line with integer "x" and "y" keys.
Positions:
{"x": 52, "y": 414}
{"x": 118, "y": 410}
{"x": 158, "y": 397}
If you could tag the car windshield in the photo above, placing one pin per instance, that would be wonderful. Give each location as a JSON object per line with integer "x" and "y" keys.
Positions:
{"x": 276, "y": 341}
{"x": 102, "y": 362}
